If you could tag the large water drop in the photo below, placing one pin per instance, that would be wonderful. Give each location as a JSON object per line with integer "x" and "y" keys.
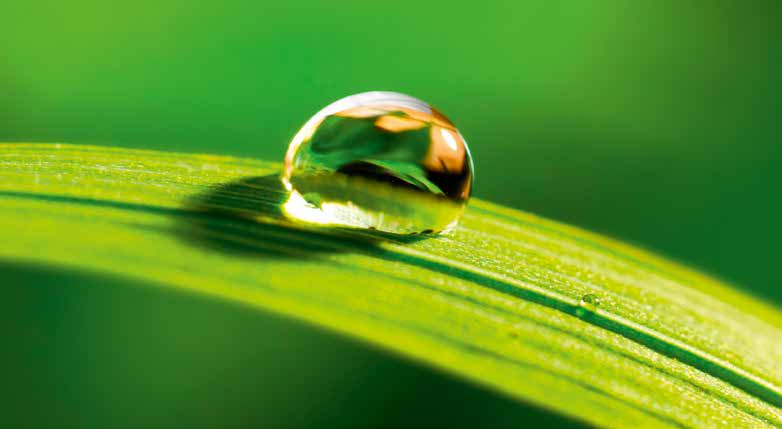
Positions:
{"x": 378, "y": 160}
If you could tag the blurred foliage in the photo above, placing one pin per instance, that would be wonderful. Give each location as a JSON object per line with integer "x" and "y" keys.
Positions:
{"x": 656, "y": 121}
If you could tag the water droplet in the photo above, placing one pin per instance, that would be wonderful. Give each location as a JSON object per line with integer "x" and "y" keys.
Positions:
{"x": 588, "y": 304}
{"x": 378, "y": 160}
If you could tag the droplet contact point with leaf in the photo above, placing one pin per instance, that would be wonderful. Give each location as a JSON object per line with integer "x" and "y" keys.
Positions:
{"x": 588, "y": 304}
{"x": 378, "y": 160}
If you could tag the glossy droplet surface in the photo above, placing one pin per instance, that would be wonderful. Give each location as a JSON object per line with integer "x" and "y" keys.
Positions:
{"x": 378, "y": 160}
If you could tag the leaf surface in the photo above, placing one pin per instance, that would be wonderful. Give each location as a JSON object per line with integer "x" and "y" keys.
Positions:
{"x": 498, "y": 301}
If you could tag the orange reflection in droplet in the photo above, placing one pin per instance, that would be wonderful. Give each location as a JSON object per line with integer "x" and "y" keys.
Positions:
{"x": 447, "y": 151}
{"x": 398, "y": 124}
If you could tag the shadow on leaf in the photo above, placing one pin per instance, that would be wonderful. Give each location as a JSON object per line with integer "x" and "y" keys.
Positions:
{"x": 245, "y": 217}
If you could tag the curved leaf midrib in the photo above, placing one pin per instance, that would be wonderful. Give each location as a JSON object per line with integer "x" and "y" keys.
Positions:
{"x": 658, "y": 341}
{"x": 693, "y": 297}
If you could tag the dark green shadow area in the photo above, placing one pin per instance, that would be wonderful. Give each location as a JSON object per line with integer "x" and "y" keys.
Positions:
{"x": 244, "y": 217}
{"x": 88, "y": 350}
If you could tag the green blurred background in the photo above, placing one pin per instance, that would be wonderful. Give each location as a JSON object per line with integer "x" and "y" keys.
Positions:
{"x": 657, "y": 122}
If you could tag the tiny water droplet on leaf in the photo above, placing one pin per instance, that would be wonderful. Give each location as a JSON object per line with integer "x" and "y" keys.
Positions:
{"x": 378, "y": 160}
{"x": 588, "y": 304}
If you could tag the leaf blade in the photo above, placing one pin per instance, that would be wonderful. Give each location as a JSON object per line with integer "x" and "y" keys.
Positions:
{"x": 497, "y": 301}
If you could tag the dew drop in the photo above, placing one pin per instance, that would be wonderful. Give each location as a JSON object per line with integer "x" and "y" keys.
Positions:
{"x": 588, "y": 304}
{"x": 378, "y": 160}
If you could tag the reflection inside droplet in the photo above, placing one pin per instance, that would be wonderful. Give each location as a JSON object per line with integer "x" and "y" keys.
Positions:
{"x": 378, "y": 160}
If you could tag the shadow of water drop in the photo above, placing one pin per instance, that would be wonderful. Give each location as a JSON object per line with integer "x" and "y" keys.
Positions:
{"x": 245, "y": 218}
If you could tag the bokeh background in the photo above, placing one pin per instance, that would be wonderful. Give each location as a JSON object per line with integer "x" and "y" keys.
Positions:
{"x": 656, "y": 122}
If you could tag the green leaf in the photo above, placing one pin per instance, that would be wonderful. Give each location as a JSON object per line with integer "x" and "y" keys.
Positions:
{"x": 498, "y": 301}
